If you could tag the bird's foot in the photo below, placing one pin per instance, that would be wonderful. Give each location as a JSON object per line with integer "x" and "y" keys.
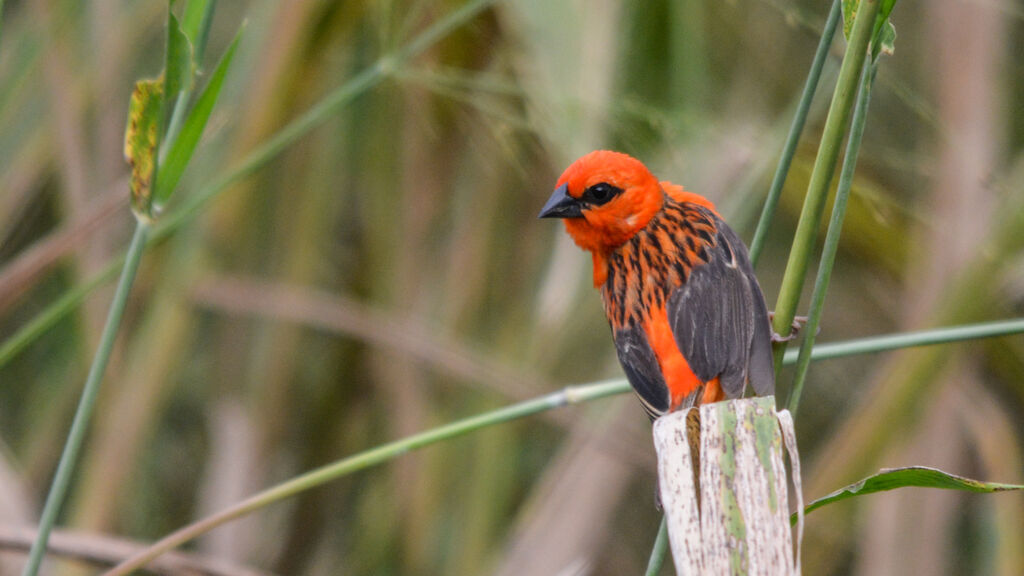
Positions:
{"x": 798, "y": 323}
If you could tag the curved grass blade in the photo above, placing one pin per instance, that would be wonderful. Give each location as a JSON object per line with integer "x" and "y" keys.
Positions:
{"x": 911, "y": 476}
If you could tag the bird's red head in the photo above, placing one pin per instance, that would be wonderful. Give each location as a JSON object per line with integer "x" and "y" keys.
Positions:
{"x": 605, "y": 198}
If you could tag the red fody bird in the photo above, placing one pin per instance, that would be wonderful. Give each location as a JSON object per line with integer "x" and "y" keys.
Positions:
{"x": 687, "y": 314}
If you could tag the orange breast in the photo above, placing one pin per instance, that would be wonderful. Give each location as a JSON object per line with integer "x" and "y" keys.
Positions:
{"x": 679, "y": 378}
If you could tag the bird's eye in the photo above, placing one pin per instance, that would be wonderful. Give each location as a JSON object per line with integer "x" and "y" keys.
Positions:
{"x": 600, "y": 193}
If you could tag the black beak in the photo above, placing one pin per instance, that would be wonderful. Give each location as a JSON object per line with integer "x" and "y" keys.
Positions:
{"x": 561, "y": 205}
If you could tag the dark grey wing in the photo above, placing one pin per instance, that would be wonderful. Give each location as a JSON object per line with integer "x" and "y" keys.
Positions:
{"x": 643, "y": 371}
{"x": 761, "y": 366}
{"x": 720, "y": 321}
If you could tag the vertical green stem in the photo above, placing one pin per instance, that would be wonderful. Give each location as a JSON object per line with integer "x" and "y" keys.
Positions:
{"x": 174, "y": 126}
{"x": 789, "y": 149}
{"x": 658, "y": 552}
{"x": 835, "y": 227}
{"x": 824, "y": 166}
{"x": 72, "y": 447}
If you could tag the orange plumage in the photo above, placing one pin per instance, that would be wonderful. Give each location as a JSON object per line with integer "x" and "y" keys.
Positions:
{"x": 687, "y": 315}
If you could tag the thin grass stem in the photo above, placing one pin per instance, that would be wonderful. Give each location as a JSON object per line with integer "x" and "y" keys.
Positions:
{"x": 174, "y": 126}
{"x": 204, "y": 30}
{"x": 771, "y": 202}
{"x": 659, "y": 549}
{"x": 835, "y": 227}
{"x": 62, "y": 478}
{"x": 892, "y": 342}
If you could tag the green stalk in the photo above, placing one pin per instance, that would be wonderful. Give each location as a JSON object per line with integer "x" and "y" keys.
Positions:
{"x": 658, "y": 552}
{"x": 312, "y": 118}
{"x": 835, "y": 228}
{"x": 204, "y": 30}
{"x": 73, "y": 446}
{"x": 363, "y": 460}
{"x": 821, "y": 176}
{"x": 174, "y": 125}
{"x": 789, "y": 148}
{"x": 911, "y": 340}
{"x": 181, "y": 103}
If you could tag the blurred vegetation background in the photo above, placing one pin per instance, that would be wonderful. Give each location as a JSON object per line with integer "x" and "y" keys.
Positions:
{"x": 387, "y": 273}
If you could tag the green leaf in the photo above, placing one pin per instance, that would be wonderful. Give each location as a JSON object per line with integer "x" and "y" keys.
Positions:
{"x": 185, "y": 144}
{"x": 885, "y": 9}
{"x": 849, "y": 13}
{"x": 195, "y": 22}
{"x": 192, "y": 18}
{"x": 178, "y": 66}
{"x": 884, "y": 42}
{"x": 919, "y": 476}
{"x": 140, "y": 141}
{"x": 883, "y": 38}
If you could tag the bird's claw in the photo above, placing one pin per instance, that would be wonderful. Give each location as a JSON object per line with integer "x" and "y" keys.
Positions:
{"x": 798, "y": 323}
